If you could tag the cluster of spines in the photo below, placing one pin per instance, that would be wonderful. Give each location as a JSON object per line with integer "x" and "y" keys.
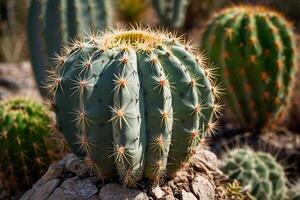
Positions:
{"x": 154, "y": 50}
{"x": 25, "y": 142}
{"x": 257, "y": 45}
{"x": 52, "y": 23}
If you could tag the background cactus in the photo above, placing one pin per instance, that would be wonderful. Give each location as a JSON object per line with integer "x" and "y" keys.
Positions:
{"x": 51, "y": 23}
{"x": 133, "y": 102}
{"x": 255, "y": 50}
{"x": 171, "y": 13}
{"x": 257, "y": 171}
{"x": 24, "y": 142}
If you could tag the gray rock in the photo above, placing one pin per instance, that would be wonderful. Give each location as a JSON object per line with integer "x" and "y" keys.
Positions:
{"x": 45, "y": 190}
{"x": 114, "y": 191}
{"x": 206, "y": 157}
{"x": 75, "y": 165}
{"x": 157, "y": 192}
{"x": 202, "y": 188}
{"x": 187, "y": 195}
{"x": 27, "y": 195}
{"x": 74, "y": 188}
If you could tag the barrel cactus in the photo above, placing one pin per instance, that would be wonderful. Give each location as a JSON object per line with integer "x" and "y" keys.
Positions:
{"x": 255, "y": 50}
{"x": 25, "y": 151}
{"x": 51, "y": 23}
{"x": 259, "y": 172}
{"x": 134, "y": 103}
{"x": 171, "y": 13}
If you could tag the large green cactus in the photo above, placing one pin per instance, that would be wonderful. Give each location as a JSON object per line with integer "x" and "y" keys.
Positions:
{"x": 258, "y": 171}
{"x": 133, "y": 102}
{"x": 255, "y": 50}
{"x": 171, "y": 13}
{"x": 53, "y": 22}
{"x": 24, "y": 141}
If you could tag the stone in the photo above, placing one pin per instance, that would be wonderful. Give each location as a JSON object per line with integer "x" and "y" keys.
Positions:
{"x": 157, "y": 192}
{"x": 45, "y": 190}
{"x": 75, "y": 165}
{"x": 187, "y": 195}
{"x": 203, "y": 188}
{"x": 113, "y": 191}
{"x": 75, "y": 188}
{"x": 206, "y": 157}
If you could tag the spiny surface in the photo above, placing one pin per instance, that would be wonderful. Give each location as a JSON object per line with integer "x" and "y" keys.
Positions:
{"x": 258, "y": 171}
{"x": 134, "y": 103}
{"x": 255, "y": 50}
{"x": 52, "y": 23}
{"x": 24, "y": 146}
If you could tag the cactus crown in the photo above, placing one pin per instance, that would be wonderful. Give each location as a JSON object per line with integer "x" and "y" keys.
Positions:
{"x": 24, "y": 127}
{"x": 259, "y": 172}
{"x": 139, "y": 102}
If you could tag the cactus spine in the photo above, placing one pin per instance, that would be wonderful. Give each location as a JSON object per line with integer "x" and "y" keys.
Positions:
{"x": 24, "y": 136}
{"x": 51, "y": 23}
{"x": 133, "y": 102}
{"x": 171, "y": 13}
{"x": 257, "y": 171}
{"x": 255, "y": 48}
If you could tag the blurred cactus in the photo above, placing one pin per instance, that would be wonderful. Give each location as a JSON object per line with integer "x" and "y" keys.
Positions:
{"x": 171, "y": 13}
{"x": 12, "y": 25}
{"x": 135, "y": 103}
{"x": 256, "y": 52}
{"x": 51, "y": 23}
{"x": 24, "y": 136}
{"x": 130, "y": 10}
{"x": 259, "y": 172}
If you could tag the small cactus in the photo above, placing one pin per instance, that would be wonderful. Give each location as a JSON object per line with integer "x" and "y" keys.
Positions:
{"x": 255, "y": 50}
{"x": 135, "y": 103}
{"x": 171, "y": 13}
{"x": 53, "y": 22}
{"x": 258, "y": 172}
{"x": 24, "y": 142}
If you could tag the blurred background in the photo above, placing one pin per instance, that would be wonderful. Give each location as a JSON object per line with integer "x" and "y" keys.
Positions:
{"x": 13, "y": 14}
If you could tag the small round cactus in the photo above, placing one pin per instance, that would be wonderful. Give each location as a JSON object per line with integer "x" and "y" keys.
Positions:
{"x": 24, "y": 154}
{"x": 255, "y": 49}
{"x": 134, "y": 103}
{"x": 259, "y": 172}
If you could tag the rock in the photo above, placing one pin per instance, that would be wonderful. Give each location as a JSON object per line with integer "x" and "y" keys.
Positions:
{"x": 114, "y": 191}
{"x": 45, "y": 190}
{"x": 206, "y": 157}
{"x": 75, "y": 188}
{"x": 187, "y": 195}
{"x": 157, "y": 192}
{"x": 75, "y": 165}
{"x": 202, "y": 188}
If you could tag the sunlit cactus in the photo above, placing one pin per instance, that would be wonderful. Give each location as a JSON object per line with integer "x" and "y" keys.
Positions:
{"x": 134, "y": 103}
{"x": 53, "y": 22}
{"x": 171, "y": 13}
{"x": 258, "y": 172}
{"x": 25, "y": 144}
{"x": 255, "y": 50}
